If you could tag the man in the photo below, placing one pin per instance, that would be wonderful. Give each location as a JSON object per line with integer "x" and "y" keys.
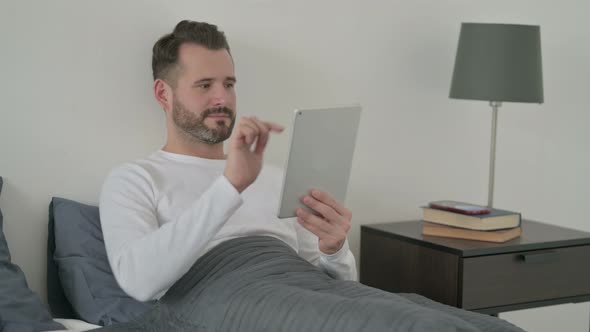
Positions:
{"x": 189, "y": 200}
{"x": 161, "y": 213}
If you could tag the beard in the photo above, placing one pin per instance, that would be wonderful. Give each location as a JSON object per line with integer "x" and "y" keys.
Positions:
{"x": 194, "y": 124}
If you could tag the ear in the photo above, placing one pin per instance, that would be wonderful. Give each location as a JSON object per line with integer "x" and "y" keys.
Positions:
{"x": 163, "y": 94}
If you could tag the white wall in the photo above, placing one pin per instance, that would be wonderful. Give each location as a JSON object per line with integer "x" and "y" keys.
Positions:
{"x": 76, "y": 101}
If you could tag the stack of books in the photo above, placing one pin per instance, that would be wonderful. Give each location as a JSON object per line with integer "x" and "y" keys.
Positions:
{"x": 468, "y": 221}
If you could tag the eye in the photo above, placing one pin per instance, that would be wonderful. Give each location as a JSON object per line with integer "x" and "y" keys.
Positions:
{"x": 229, "y": 85}
{"x": 205, "y": 86}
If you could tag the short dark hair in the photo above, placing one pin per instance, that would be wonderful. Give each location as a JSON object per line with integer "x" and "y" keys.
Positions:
{"x": 165, "y": 52}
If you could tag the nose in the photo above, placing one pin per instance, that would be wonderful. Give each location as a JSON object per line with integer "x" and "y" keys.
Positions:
{"x": 219, "y": 97}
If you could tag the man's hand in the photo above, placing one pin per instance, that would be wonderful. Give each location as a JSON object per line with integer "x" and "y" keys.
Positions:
{"x": 330, "y": 225}
{"x": 246, "y": 150}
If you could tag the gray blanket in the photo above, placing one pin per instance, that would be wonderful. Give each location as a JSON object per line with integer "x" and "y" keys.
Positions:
{"x": 261, "y": 284}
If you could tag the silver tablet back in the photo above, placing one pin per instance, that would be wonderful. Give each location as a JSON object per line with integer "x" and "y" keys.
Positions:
{"x": 320, "y": 155}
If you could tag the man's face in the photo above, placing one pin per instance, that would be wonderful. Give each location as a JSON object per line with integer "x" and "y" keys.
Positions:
{"x": 204, "y": 100}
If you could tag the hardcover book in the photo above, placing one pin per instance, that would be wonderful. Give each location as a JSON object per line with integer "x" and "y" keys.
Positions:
{"x": 496, "y": 219}
{"x": 469, "y": 234}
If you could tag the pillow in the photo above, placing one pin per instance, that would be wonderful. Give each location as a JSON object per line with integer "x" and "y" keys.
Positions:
{"x": 83, "y": 267}
{"x": 58, "y": 303}
{"x": 21, "y": 310}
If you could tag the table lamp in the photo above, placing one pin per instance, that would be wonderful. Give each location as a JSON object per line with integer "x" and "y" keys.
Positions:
{"x": 498, "y": 63}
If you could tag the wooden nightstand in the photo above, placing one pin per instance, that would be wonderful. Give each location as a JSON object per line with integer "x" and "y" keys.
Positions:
{"x": 547, "y": 265}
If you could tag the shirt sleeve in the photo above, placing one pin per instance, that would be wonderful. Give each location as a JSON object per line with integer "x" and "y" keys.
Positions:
{"x": 147, "y": 259}
{"x": 340, "y": 265}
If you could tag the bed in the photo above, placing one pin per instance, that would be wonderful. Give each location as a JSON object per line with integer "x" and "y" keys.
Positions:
{"x": 225, "y": 284}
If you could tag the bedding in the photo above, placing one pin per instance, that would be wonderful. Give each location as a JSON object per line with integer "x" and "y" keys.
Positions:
{"x": 75, "y": 325}
{"x": 259, "y": 283}
{"x": 80, "y": 281}
{"x": 21, "y": 310}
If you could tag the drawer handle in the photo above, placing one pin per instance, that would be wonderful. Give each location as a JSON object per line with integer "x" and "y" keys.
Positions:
{"x": 539, "y": 257}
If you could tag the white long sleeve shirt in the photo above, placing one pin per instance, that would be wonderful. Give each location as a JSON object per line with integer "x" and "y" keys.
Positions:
{"x": 161, "y": 213}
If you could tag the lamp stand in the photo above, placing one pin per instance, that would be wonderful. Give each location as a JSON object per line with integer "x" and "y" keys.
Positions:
{"x": 495, "y": 105}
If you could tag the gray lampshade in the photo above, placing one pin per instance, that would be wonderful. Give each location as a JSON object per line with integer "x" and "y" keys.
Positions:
{"x": 498, "y": 62}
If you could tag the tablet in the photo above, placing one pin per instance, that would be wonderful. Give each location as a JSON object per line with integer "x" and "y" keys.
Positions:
{"x": 320, "y": 155}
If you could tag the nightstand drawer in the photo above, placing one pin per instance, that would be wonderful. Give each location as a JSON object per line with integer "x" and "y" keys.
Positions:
{"x": 526, "y": 276}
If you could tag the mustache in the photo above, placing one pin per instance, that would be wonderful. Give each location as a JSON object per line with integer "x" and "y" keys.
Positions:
{"x": 218, "y": 110}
